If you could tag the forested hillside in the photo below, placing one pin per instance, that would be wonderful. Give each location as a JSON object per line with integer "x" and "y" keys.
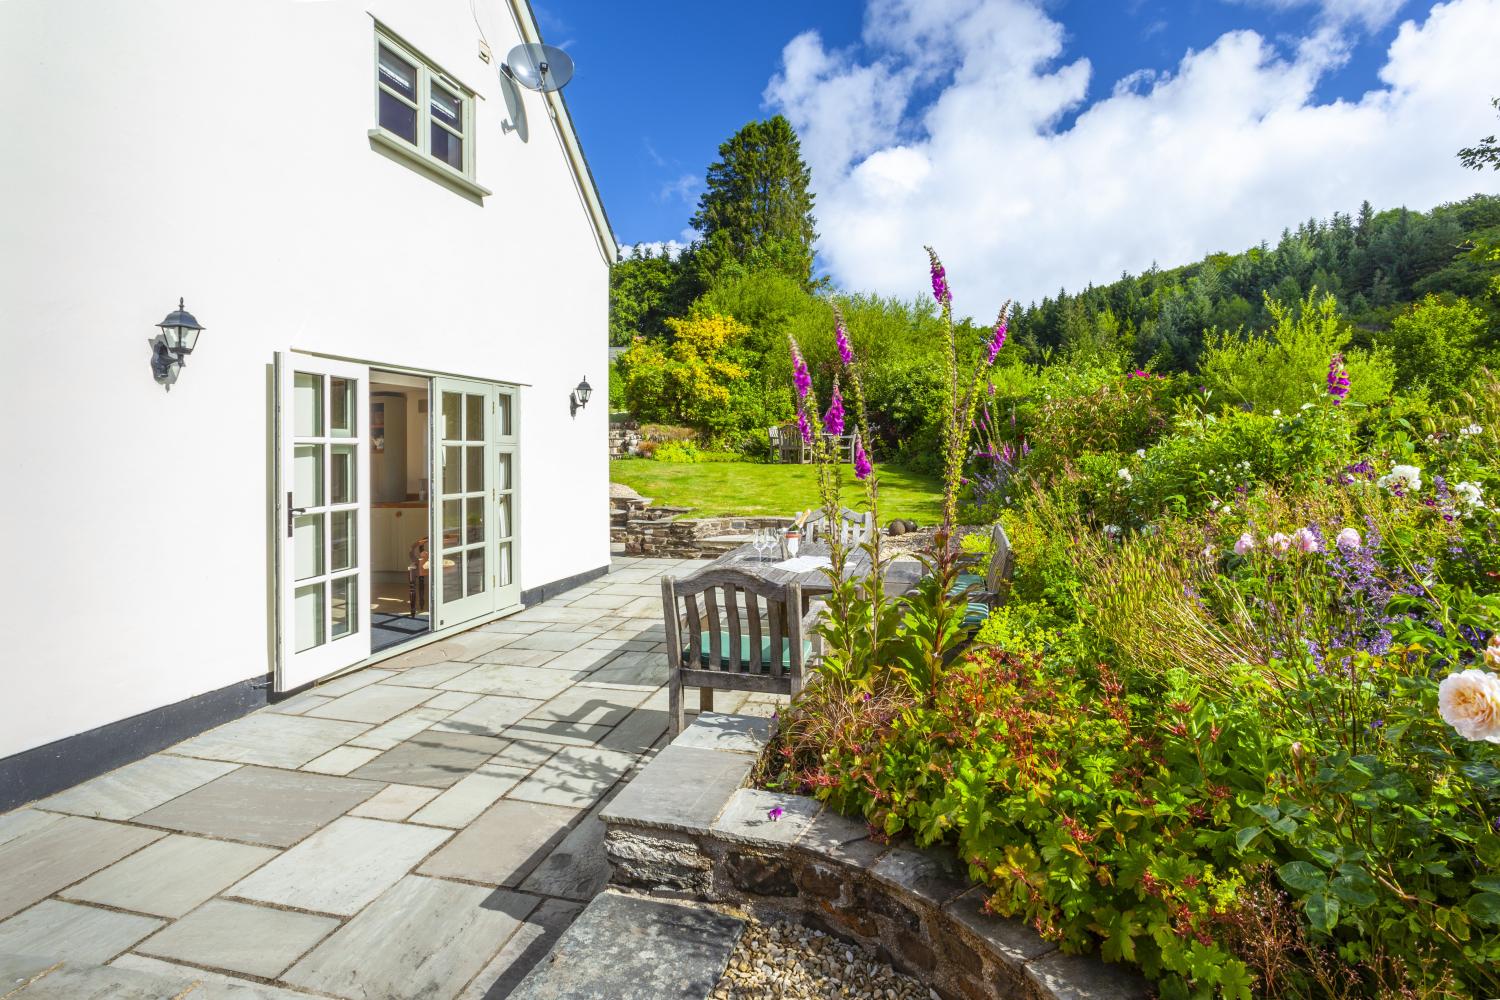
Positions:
{"x": 1375, "y": 264}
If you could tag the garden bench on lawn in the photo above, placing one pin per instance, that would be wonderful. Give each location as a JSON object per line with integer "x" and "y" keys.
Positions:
{"x": 985, "y": 590}
{"x": 857, "y": 528}
{"x": 729, "y": 630}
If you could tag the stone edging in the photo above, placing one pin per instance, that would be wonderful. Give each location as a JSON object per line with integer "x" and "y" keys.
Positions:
{"x": 687, "y": 827}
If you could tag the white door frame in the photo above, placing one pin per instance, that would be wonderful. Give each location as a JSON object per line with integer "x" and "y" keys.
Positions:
{"x": 312, "y": 569}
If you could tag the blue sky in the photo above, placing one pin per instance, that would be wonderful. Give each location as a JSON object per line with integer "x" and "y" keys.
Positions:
{"x": 895, "y": 100}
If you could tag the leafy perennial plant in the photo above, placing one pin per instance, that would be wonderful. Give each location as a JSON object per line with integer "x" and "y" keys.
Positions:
{"x": 1238, "y": 722}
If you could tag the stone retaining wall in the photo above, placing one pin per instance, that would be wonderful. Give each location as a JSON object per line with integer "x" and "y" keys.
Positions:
{"x": 686, "y": 827}
{"x": 624, "y": 439}
{"x": 645, "y": 530}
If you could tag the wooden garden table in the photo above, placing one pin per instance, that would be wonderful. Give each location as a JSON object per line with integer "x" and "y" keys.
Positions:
{"x": 900, "y": 574}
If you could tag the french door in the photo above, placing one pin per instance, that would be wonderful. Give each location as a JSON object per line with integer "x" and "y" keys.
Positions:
{"x": 474, "y": 555}
{"x": 323, "y": 517}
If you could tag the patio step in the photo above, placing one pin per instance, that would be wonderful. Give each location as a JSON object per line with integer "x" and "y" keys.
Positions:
{"x": 625, "y": 947}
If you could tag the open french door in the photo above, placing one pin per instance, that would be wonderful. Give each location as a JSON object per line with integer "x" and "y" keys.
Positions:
{"x": 474, "y": 500}
{"x": 323, "y": 517}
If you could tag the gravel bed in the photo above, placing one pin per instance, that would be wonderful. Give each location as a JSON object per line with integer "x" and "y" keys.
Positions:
{"x": 784, "y": 960}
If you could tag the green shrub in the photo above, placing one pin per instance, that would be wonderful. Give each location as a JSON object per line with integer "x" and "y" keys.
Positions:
{"x": 678, "y": 452}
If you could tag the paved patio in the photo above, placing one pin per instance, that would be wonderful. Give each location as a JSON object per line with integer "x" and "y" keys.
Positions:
{"x": 422, "y": 828}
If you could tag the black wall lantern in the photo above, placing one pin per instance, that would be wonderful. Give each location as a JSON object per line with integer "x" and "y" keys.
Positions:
{"x": 170, "y": 348}
{"x": 580, "y": 397}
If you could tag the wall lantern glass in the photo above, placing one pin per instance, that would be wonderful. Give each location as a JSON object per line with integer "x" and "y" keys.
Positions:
{"x": 170, "y": 348}
{"x": 580, "y": 396}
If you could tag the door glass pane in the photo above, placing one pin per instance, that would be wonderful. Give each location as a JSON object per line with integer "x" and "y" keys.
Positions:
{"x": 475, "y": 481}
{"x": 307, "y": 545}
{"x": 452, "y": 457}
{"x": 452, "y": 522}
{"x": 502, "y": 518}
{"x": 474, "y": 418}
{"x": 475, "y": 561}
{"x": 504, "y": 481}
{"x": 307, "y": 405}
{"x": 343, "y": 613}
{"x": 452, "y": 417}
{"x": 503, "y": 570}
{"x": 505, "y": 430}
{"x": 341, "y": 531}
{"x": 307, "y": 475}
{"x": 341, "y": 407}
{"x": 474, "y": 522}
{"x": 308, "y": 615}
{"x": 341, "y": 475}
{"x": 452, "y": 579}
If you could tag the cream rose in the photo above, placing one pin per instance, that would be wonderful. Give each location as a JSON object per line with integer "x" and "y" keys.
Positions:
{"x": 1470, "y": 702}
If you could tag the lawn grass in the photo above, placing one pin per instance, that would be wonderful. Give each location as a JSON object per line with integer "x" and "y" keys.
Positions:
{"x": 713, "y": 488}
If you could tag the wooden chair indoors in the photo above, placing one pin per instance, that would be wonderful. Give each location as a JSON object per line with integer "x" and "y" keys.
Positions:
{"x": 728, "y": 630}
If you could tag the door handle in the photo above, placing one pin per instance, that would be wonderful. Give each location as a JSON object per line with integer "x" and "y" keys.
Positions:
{"x": 291, "y": 514}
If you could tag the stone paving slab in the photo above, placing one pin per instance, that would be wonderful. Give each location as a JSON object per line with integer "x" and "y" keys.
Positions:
{"x": 637, "y": 732}
{"x": 137, "y": 787}
{"x": 341, "y": 760}
{"x": 262, "y": 805}
{"x": 342, "y": 867}
{"x": 199, "y": 870}
{"x": 255, "y": 940}
{"x": 513, "y": 681}
{"x": 204, "y": 985}
{"x": 757, "y": 817}
{"x": 272, "y": 740}
{"x": 446, "y": 934}
{"x": 630, "y": 948}
{"x": 504, "y": 844}
{"x": 527, "y": 946}
{"x": 431, "y": 675}
{"x": 374, "y": 703}
{"x": 395, "y": 802}
{"x": 353, "y": 681}
{"x": 578, "y": 867}
{"x": 401, "y": 728}
{"x": 437, "y": 759}
{"x": 488, "y": 716}
{"x": 65, "y": 981}
{"x": 716, "y": 731}
{"x": 590, "y": 706}
{"x": 554, "y": 642}
{"x": 23, "y": 821}
{"x": 71, "y": 932}
{"x": 463, "y": 803}
{"x": 684, "y": 789}
{"x": 550, "y": 731}
{"x": 39, "y": 863}
{"x": 574, "y": 776}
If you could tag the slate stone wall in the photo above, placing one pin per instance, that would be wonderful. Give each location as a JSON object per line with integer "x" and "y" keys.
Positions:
{"x": 691, "y": 830}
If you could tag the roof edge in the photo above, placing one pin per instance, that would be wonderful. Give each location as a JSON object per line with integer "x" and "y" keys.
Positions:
{"x": 562, "y": 123}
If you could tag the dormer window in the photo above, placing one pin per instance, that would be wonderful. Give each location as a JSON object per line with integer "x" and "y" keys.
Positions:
{"x": 423, "y": 114}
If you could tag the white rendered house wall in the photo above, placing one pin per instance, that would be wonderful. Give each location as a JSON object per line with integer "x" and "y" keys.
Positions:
{"x": 218, "y": 151}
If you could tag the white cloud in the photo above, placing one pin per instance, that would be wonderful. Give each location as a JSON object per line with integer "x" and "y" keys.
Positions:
{"x": 684, "y": 188}
{"x": 1224, "y": 150}
{"x": 1372, "y": 14}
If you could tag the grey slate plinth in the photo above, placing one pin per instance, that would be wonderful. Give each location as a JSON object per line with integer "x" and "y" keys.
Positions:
{"x": 629, "y": 948}
{"x": 747, "y": 818}
{"x": 931, "y": 876}
{"x": 1083, "y": 977}
{"x": 1010, "y": 938}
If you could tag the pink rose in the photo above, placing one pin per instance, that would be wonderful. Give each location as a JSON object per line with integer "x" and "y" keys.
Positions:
{"x": 1469, "y": 701}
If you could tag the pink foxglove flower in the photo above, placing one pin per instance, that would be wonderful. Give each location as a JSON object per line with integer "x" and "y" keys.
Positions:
{"x": 833, "y": 420}
{"x": 1245, "y": 544}
{"x": 1469, "y": 701}
{"x": 800, "y": 374}
{"x": 939, "y": 279}
{"x": 1338, "y": 379}
{"x": 997, "y": 341}
{"x": 804, "y": 427}
{"x": 841, "y": 338}
{"x": 862, "y": 467}
{"x": 1348, "y": 540}
{"x": 1305, "y": 540}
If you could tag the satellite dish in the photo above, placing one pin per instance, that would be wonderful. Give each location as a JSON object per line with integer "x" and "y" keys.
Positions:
{"x": 543, "y": 68}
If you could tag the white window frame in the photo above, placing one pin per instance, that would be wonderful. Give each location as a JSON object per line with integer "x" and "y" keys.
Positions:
{"x": 420, "y": 154}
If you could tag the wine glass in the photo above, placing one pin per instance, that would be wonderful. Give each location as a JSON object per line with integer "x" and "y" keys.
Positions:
{"x": 758, "y": 540}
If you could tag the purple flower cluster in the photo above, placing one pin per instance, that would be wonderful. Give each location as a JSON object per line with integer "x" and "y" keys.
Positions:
{"x": 1338, "y": 379}
{"x": 800, "y": 374}
{"x": 841, "y": 337}
{"x": 939, "y": 279}
{"x": 804, "y": 427}
{"x": 833, "y": 420}
{"x": 996, "y": 342}
{"x": 862, "y": 467}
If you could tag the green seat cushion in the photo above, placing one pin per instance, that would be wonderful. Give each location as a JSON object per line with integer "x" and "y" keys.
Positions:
{"x": 975, "y": 614}
{"x": 706, "y": 651}
{"x": 964, "y": 582}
